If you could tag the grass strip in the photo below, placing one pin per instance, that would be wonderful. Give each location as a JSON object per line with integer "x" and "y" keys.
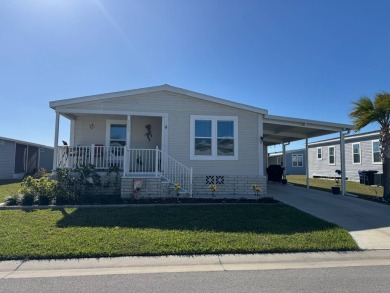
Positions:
{"x": 165, "y": 230}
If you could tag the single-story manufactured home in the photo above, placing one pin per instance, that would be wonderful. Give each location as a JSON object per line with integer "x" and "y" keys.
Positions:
{"x": 18, "y": 158}
{"x": 362, "y": 153}
{"x": 167, "y": 135}
{"x": 294, "y": 161}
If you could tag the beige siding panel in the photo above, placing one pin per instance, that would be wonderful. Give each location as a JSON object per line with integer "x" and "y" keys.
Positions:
{"x": 139, "y": 139}
{"x": 179, "y": 108}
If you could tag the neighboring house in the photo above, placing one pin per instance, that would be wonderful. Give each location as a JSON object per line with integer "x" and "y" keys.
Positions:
{"x": 18, "y": 158}
{"x": 362, "y": 153}
{"x": 165, "y": 134}
{"x": 295, "y": 161}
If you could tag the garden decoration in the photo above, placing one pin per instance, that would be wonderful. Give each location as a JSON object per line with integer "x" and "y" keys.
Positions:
{"x": 256, "y": 189}
{"x": 148, "y": 133}
{"x": 213, "y": 189}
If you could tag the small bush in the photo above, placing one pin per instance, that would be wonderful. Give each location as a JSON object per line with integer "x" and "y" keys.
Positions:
{"x": 43, "y": 190}
{"x": 12, "y": 200}
{"x": 27, "y": 199}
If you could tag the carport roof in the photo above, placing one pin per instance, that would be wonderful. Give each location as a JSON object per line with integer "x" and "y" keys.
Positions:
{"x": 278, "y": 129}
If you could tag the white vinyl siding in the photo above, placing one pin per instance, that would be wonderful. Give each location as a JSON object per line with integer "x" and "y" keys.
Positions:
{"x": 178, "y": 110}
{"x": 356, "y": 153}
{"x": 213, "y": 138}
{"x": 297, "y": 160}
{"x": 331, "y": 155}
{"x": 376, "y": 152}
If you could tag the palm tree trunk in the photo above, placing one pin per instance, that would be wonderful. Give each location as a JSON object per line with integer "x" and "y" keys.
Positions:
{"x": 386, "y": 179}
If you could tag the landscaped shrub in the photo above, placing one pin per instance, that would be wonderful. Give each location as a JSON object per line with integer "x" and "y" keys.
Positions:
{"x": 77, "y": 186}
{"x": 27, "y": 199}
{"x": 12, "y": 200}
{"x": 41, "y": 190}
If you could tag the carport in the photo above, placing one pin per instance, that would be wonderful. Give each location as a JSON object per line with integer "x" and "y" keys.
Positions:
{"x": 283, "y": 130}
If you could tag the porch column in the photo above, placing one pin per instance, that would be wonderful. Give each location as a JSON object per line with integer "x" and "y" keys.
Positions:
{"x": 284, "y": 160}
{"x": 307, "y": 164}
{"x": 260, "y": 143}
{"x": 127, "y": 146}
{"x": 342, "y": 159}
{"x": 56, "y": 130}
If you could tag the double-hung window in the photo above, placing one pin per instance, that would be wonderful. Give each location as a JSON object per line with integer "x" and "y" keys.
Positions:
{"x": 376, "y": 152}
{"x": 331, "y": 155}
{"x": 297, "y": 160}
{"x": 214, "y": 138}
{"x": 319, "y": 153}
{"x": 356, "y": 154}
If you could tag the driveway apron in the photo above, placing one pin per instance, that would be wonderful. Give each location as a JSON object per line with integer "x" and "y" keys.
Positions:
{"x": 368, "y": 222}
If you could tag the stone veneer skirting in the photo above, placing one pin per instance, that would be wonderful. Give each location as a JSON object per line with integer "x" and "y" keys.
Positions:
{"x": 228, "y": 185}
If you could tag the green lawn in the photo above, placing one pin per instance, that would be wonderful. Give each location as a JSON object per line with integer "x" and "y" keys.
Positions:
{"x": 326, "y": 184}
{"x": 165, "y": 230}
{"x": 8, "y": 187}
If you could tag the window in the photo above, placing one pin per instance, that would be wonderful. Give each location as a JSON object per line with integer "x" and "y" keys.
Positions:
{"x": 213, "y": 138}
{"x": 356, "y": 153}
{"x": 319, "y": 153}
{"x": 297, "y": 160}
{"x": 376, "y": 152}
{"x": 331, "y": 156}
{"x": 117, "y": 134}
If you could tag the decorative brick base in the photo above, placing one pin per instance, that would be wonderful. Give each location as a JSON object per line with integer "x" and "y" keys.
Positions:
{"x": 229, "y": 185}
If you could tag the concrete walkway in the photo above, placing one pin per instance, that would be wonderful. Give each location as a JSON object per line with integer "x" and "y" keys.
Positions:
{"x": 368, "y": 222}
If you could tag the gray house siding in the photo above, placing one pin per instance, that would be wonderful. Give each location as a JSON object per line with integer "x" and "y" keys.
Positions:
{"x": 321, "y": 167}
{"x": 28, "y": 158}
{"x": 7, "y": 159}
{"x": 178, "y": 109}
{"x": 277, "y": 159}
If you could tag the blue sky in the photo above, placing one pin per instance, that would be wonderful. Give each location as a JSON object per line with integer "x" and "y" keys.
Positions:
{"x": 304, "y": 59}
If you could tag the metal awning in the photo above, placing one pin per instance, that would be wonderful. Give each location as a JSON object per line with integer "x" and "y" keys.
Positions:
{"x": 279, "y": 130}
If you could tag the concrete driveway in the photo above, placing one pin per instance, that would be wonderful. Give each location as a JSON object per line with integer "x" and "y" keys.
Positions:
{"x": 368, "y": 222}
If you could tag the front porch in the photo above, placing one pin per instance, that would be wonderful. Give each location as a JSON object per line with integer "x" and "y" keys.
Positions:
{"x": 132, "y": 163}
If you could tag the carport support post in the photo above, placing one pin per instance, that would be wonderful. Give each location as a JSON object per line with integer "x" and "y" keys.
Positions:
{"x": 307, "y": 164}
{"x": 342, "y": 159}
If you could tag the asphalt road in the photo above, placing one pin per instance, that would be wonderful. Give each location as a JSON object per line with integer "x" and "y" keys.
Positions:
{"x": 347, "y": 279}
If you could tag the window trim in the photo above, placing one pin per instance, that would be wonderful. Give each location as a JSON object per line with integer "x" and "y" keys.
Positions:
{"x": 292, "y": 160}
{"x": 372, "y": 152}
{"x": 319, "y": 158}
{"x": 353, "y": 154}
{"x": 334, "y": 155}
{"x": 214, "y": 137}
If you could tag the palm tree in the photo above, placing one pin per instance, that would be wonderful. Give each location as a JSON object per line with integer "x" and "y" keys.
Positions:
{"x": 367, "y": 111}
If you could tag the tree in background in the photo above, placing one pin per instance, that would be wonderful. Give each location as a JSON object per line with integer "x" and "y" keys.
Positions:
{"x": 367, "y": 111}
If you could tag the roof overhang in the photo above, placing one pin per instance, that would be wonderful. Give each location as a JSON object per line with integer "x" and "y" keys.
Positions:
{"x": 278, "y": 129}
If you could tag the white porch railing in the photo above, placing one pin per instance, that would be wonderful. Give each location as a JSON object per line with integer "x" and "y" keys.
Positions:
{"x": 102, "y": 157}
{"x": 131, "y": 161}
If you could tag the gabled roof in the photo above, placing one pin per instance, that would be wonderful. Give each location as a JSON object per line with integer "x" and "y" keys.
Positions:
{"x": 154, "y": 89}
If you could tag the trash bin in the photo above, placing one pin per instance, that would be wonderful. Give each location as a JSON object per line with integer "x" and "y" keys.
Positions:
{"x": 367, "y": 177}
{"x": 378, "y": 179}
